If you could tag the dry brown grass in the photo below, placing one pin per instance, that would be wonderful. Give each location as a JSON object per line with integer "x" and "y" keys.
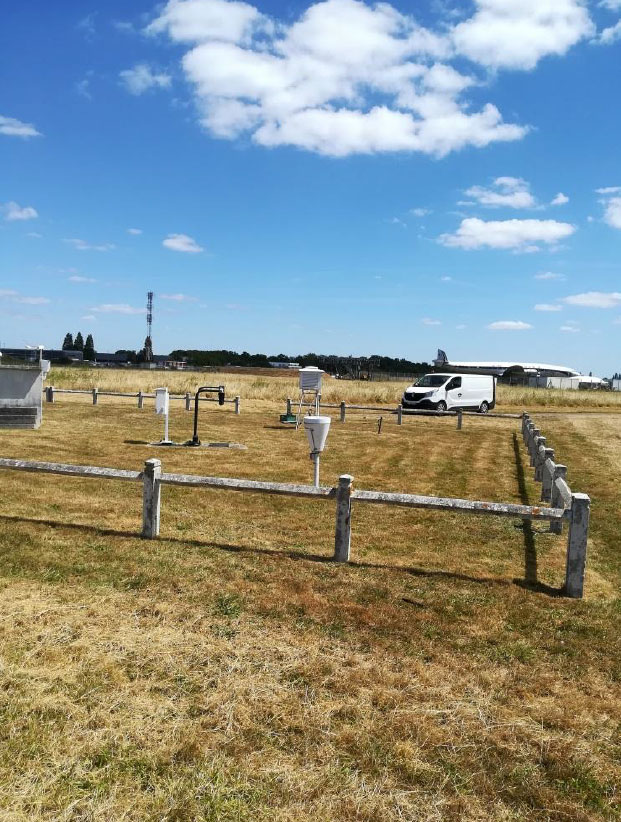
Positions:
{"x": 261, "y": 387}
{"x": 227, "y": 671}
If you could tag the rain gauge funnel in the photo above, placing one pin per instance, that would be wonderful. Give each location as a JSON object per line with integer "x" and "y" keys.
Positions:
{"x": 317, "y": 433}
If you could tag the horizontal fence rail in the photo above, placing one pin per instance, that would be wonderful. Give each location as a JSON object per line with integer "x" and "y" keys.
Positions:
{"x": 399, "y": 411}
{"x": 571, "y": 507}
{"x": 51, "y": 392}
{"x": 556, "y": 491}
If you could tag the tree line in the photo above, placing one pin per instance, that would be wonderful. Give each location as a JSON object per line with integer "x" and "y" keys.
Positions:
{"x": 77, "y": 344}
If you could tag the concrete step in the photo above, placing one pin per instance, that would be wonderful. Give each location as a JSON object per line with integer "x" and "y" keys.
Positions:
{"x": 18, "y": 411}
{"x": 10, "y": 426}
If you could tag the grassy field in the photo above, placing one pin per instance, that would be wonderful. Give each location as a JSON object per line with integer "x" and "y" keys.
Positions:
{"x": 285, "y": 384}
{"x": 229, "y": 671}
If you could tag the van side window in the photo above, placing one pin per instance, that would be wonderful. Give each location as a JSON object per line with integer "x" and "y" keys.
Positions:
{"x": 454, "y": 383}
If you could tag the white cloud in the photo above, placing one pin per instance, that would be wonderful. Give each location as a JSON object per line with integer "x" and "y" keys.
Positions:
{"x": 609, "y": 190}
{"x": 181, "y": 242}
{"x": 446, "y": 279}
{"x": 82, "y": 245}
{"x": 15, "y": 128}
{"x": 141, "y": 78}
{"x": 32, "y": 300}
{"x": 428, "y": 321}
{"x": 511, "y": 192}
{"x": 595, "y": 299}
{"x": 509, "y": 325}
{"x": 549, "y": 275}
{"x": 179, "y": 298}
{"x": 548, "y": 307}
{"x": 609, "y": 35}
{"x": 396, "y": 221}
{"x": 516, "y": 34}
{"x": 117, "y": 308}
{"x": 77, "y": 278}
{"x": 420, "y": 212}
{"x": 7, "y": 292}
{"x": 34, "y": 234}
{"x": 612, "y": 211}
{"x": 135, "y": 231}
{"x": 13, "y": 211}
{"x": 612, "y": 5}
{"x": 570, "y": 329}
{"x": 560, "y": 199}
{"x": 519, "y": 235}
{"x": 90, "y": 317}
{"x": 343, "y": 78}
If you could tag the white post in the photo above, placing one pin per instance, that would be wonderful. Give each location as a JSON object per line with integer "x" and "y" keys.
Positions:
{"x": 151, "y": 495}
{"x": 546, "y": 475}
{"x": 236, "y": 401}
{"x": 95, "y": 390}
{"x": 166, "y": 427}
{"x": 342, "y": 534}
{"x": 577, "y": 545}
{"x": 399, "y": 414}
{"x": 315, "y": 456}
{"x": 188, "y": 401}
{"x": 556, "y": 501}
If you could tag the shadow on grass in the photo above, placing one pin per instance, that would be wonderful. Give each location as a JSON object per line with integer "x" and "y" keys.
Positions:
{"x": 270, "y": 552}
{"x": 530, "y": 581}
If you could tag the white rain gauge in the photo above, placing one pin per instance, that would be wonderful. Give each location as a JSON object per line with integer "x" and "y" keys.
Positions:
{"x": 162, "y": 404}
{"x": 310, "y": 391}
{"x": 316, "y": 428}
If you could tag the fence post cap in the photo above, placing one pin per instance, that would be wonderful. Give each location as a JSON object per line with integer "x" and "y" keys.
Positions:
{"x": 152, "y": 463}
{"x": 580, "y": 497}
{"x": 346, "y": 479}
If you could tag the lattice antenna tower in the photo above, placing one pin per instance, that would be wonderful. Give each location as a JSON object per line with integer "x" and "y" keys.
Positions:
{"x": 148, "y": 343}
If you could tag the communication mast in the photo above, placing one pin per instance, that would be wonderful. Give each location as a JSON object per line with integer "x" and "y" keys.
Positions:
{"x": 148, "y": 344}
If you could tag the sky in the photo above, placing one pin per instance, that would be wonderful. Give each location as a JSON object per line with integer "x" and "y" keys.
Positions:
{"x": 337, "y": 177}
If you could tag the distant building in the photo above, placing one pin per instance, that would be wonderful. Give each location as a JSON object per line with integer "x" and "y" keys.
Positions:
{"x": 51, "y": 354}
{"x": 283, "y": 364}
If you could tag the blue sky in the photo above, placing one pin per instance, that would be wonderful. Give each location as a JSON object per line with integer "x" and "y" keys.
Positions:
{"x": 336, "y": 177}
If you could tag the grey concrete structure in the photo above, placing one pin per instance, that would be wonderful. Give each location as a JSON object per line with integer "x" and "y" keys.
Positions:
{"x": 21, "y": 395}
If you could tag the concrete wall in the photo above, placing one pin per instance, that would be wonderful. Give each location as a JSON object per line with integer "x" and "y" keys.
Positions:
{"x": 21, "y": 386}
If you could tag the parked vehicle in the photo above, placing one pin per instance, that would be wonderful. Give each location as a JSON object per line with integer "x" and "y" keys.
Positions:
{"x": 446, "y": 392}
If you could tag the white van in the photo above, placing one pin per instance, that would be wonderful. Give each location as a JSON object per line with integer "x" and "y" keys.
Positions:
{"x": 444, "y": 392}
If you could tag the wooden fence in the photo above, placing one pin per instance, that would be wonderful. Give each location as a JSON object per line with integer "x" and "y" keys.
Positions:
{"x": 400, "y": 411}
{"x": 568, "y": 507}
{"x": 556, "y": 491}
{"x": 141, "y": 396}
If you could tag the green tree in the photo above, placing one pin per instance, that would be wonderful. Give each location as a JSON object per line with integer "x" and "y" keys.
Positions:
{"x": 78, "y": 343}
{"x": 89, "y": 348}
{"x": 68, "y": 343}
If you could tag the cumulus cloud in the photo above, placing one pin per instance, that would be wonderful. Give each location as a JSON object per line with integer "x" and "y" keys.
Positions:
{"x": 117, "y": 308}
{"x": 518, "y": 235}
{"x": 609, "y": 35}
{"x": 77, "y": 278}
{"x": 595, "y": 299}
{"x": 179, "y": 298}
{"x": 548, "y": 307}
{"x": 15, "y": 128}
{"x": 32, "y": 300}
{"x": 134, "y": 231}
{"x": 549, "y": 275}
{"x": 82, "y": 245}
{"x": 611, "y": 200}
{"x": 511, "y": 192}
{"x": 560, "y": 199}
{"x": 516, "y": 34}
{"x": 343, "y": 78}
{"x": 142, "y": 78}
{"x": 428, "y": 321}
{"x": 420, "y": 212}
{"x": 181, "y": 242}
{"x": 570, "y": 328}
{"x": 90, "y": 317}
{"x": 13, "y": 211}
{"x": 509, "y": 325}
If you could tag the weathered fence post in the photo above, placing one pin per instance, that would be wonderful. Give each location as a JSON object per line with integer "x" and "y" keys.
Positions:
{"x": 535, "y": 432}
{"x": 399, "y": 414}
{"x": 236, "y": 401}
{"x": 49, "y": 393}
{"x": 288, "y": 406}
{"x": 151, "y": 493}
{"x": 342, "y": 534}
{"x": 188, "y": 401}
{"x": 577, "y": 545}
{"x": 556, "y": 501}
{"x": 540, "y": 444}
{"x": 343, "y": 408}
{"x": 140, "y": 399}
{"x": 460, "y": 416}
{"x": 95, "y": 391}
{"x": 546, "y": 475}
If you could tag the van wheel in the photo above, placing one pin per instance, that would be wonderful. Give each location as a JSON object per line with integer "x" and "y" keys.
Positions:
{"x": 484, "y": 407}
{"x": 441, "y": 406}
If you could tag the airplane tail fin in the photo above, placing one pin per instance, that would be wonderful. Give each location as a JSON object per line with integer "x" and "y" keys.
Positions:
{"x": 441, "y": 358}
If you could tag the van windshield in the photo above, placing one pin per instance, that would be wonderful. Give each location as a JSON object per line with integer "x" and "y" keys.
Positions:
{"x": 431, "y": 381}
